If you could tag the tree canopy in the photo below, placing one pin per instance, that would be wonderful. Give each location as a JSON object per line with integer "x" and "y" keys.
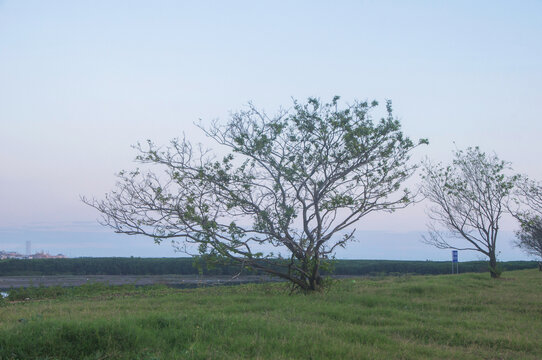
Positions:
{"x": 291, "y": 186}
{"x": 469, "y": 198}
{"x": 529, "y": 195}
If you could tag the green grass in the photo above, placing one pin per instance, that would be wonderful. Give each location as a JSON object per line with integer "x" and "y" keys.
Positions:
{"x": 467, "y": 316}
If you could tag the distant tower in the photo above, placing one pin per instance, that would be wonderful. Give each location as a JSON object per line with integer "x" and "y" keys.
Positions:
{"x": 28, "y": 249}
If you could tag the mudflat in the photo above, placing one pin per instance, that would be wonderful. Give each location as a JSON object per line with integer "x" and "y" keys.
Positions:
{"x": 7, "y": 282}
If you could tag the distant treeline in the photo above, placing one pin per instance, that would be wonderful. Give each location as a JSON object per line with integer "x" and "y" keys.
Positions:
{"x": 186, "y": 266}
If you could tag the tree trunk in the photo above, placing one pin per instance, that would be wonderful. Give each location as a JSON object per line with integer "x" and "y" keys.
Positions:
{"x": 540, "y": 266}
{"x": 307, "y": 278}
{"x": 493, "y": 266}
{"x": 317, "y": 281}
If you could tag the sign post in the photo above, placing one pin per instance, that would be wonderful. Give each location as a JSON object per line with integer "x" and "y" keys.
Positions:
{"x": 455, "y": 261}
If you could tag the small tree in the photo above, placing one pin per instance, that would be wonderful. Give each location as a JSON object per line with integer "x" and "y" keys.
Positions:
{"x": 529, "y": 194}
{"x": 469, "y": 199}
{"x": 296, "y": 181}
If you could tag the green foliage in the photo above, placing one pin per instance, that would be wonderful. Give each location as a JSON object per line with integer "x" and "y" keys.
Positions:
{"x": 294, "y": 180}
{"x": 199, "y": 265}
{"x": 496, "y": 271}
{"x": 530, "y": 235}
{"x": 528, "y": 196}
{"x": 469, "y": 198}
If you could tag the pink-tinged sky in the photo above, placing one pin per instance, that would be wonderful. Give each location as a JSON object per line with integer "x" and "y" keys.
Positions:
{"x": 82, "y": 81}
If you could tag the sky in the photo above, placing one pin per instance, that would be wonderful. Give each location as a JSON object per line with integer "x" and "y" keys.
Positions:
{"x": 81, "y": 82}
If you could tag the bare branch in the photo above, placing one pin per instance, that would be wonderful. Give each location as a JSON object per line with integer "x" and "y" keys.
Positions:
{"x": 293, "y": 181}
{"x": 469, "y": 198}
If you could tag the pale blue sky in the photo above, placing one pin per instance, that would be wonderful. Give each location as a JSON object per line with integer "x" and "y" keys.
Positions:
{"x": 81, "y": 81}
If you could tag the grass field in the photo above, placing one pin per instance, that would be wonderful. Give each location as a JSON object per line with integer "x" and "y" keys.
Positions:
{"x": 467, "y": 316}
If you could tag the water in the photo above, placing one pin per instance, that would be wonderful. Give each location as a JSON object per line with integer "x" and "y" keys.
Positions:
{"x": 4, "y": 294}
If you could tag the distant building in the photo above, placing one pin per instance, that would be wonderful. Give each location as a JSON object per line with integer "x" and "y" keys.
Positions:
{"x": 10, "y": 255}
{"x": 44, "y": 255}
{"x": 40, "y": 255}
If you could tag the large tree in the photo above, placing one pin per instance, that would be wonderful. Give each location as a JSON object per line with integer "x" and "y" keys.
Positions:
{"x": 529, "y": 215}
{"x": 297, "y": 181}
{"x": 469, "y": 198}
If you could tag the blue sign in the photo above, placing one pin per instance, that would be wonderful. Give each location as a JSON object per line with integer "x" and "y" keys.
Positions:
{"x": 454, "y": 256}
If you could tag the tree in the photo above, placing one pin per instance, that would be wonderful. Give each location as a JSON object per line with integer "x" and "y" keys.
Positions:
{"x": 469, "y": 198}
{"x": 529, "y": 194}
{"x": 296, "y": 182}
